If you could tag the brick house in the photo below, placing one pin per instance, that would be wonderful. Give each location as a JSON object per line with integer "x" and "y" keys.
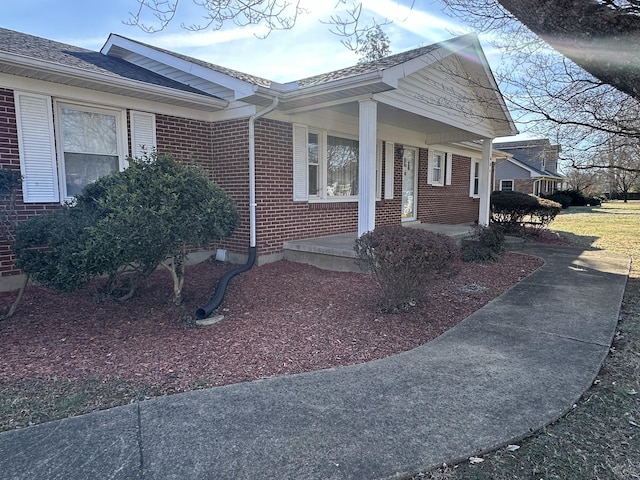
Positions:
{"x": 404, "y": 139}
{"x": 530, "y": 167}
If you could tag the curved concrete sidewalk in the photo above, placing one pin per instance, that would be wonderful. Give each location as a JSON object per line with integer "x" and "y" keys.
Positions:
{"x": 512, "y": 367}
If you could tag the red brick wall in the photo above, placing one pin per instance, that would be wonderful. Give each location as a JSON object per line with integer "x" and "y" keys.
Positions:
{"x": 279, "y": 218}
{"x": 230, "y": 169}
{"x": 448, "y": 203}
{"x": 222, "y": 149}
{"x": 523, "y": 185}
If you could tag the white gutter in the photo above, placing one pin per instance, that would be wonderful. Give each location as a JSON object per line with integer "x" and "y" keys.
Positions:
{"x": 252, "y": 168}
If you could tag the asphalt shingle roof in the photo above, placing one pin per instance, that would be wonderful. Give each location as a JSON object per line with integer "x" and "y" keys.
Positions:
{"x": 366, "y": 67}
{"x": 69, "y": 55}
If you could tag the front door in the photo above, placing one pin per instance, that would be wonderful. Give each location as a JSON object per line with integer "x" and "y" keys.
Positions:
{"x": 409, "y": 181}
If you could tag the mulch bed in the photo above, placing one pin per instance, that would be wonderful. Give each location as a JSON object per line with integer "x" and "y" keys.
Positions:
{"x": 280, "y": 318}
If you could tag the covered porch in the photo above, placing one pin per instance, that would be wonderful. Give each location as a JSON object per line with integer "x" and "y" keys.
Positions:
{"x": 336, "y": 252}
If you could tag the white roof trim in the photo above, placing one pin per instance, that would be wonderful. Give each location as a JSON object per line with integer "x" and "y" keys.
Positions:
{"x": 240, "y": 88}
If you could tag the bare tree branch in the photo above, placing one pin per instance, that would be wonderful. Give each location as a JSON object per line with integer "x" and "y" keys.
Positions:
{"x": 273, "y": 14}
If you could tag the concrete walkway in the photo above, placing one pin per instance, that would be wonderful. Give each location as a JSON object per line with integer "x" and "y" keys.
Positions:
{"x": 512, "y": 367}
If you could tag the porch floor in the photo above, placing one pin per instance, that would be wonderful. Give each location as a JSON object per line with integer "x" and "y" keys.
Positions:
{"x": 336, "y": 252}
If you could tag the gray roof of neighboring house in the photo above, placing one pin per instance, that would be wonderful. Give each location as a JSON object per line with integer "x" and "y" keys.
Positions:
{"x": 537, "y": 171}
{"x": 38, "y": 48}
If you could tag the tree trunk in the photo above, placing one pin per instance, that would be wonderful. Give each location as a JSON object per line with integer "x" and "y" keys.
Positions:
{"x": 16, "y": 302}
{"x": 602, "y": 39}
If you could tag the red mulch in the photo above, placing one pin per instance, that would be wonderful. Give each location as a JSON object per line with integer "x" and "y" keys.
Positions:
{"x": 280, "y": 318}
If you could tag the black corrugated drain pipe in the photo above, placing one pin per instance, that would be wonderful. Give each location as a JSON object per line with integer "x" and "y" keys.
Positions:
{"x": 216, "y": 300}
{"x": 206, "y": 310}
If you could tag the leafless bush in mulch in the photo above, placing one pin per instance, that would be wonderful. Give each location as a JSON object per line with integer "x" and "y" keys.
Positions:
{"x": 66, "y": 354}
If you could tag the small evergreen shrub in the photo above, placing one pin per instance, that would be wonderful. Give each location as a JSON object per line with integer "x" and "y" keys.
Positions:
{"x": 404, "y": 261}
{"x": 542, "y": 216}
{"x": 593, "y": 201}
{"x": 125, "y": 225}
{"x": 561, "y": 198}
{"x": 576, "y": 198}
{"x": 514, "y": 210}
{"x": 486, "y": 245}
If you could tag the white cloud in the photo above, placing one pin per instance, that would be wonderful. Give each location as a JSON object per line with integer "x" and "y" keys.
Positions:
{"x": 422, "y": 23}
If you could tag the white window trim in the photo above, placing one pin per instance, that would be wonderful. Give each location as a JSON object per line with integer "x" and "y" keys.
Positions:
{"x": 449, "y": 167}
{"x": 121, "y": 132}
{"x": 472, "y": 178}
{"x": 300, "y": 163}
{"x": 379, "y": 170}
{"x": 513, "y": 184}
{"x": 443, "y": 168}
{"x": 301, "y": 173}
{"x": 389, "y": 163}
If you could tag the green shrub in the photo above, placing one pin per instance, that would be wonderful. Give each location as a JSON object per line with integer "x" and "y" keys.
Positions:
{"x": 10, "y": 181}
{"x": 576, "y": 198}
{"x": 404, "y": 261}
{"x": 486, "y": 244}
{"x": 514, "y": 210}
{"x": 55, "y": 249}
{"x": 125, "y": 225}
{"x": 562, "y": 199}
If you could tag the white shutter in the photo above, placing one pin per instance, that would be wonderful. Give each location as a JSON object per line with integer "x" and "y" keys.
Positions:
{"x": 300, "y": 166}
{"x": 143, "y": 133}
{"x": 389, "y": 161}
{"x": 36, "y": 144}
{"x": 449, "y": 166}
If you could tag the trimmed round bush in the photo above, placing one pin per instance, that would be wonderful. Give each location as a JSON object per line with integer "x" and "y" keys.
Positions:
{"x": 405, "y": 261}
{"x": 513, "y": 210}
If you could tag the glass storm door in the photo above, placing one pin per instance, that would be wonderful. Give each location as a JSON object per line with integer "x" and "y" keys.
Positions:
{"x": 409, "y": 177}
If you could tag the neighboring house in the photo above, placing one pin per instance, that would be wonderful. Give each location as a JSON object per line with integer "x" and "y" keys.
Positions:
{"x": 406, "y": 138}
{"x": 530, "y": 167}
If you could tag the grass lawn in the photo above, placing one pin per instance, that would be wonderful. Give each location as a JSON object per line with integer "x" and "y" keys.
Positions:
{"x": 600, "y": 437}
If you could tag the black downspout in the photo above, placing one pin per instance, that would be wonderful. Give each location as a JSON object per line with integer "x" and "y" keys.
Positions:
{"x": 216, "y": 300}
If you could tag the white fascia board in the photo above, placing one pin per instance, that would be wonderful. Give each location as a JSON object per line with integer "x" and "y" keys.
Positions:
{"x": 102, "y": 79}
{"x": 336, "y": 85}
{"x": 240, "y": 88}
{"x": 464, "y": 149}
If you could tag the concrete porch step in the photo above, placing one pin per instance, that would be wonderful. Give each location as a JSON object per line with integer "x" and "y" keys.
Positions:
{"x": 336, "y": 252}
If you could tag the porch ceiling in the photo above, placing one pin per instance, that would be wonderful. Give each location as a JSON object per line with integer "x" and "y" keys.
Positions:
{"x": 431, "y": 130}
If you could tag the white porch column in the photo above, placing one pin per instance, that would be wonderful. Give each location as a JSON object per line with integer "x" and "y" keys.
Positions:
{"x": 484, "y": 184}
{"x": 367, "y": 166}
